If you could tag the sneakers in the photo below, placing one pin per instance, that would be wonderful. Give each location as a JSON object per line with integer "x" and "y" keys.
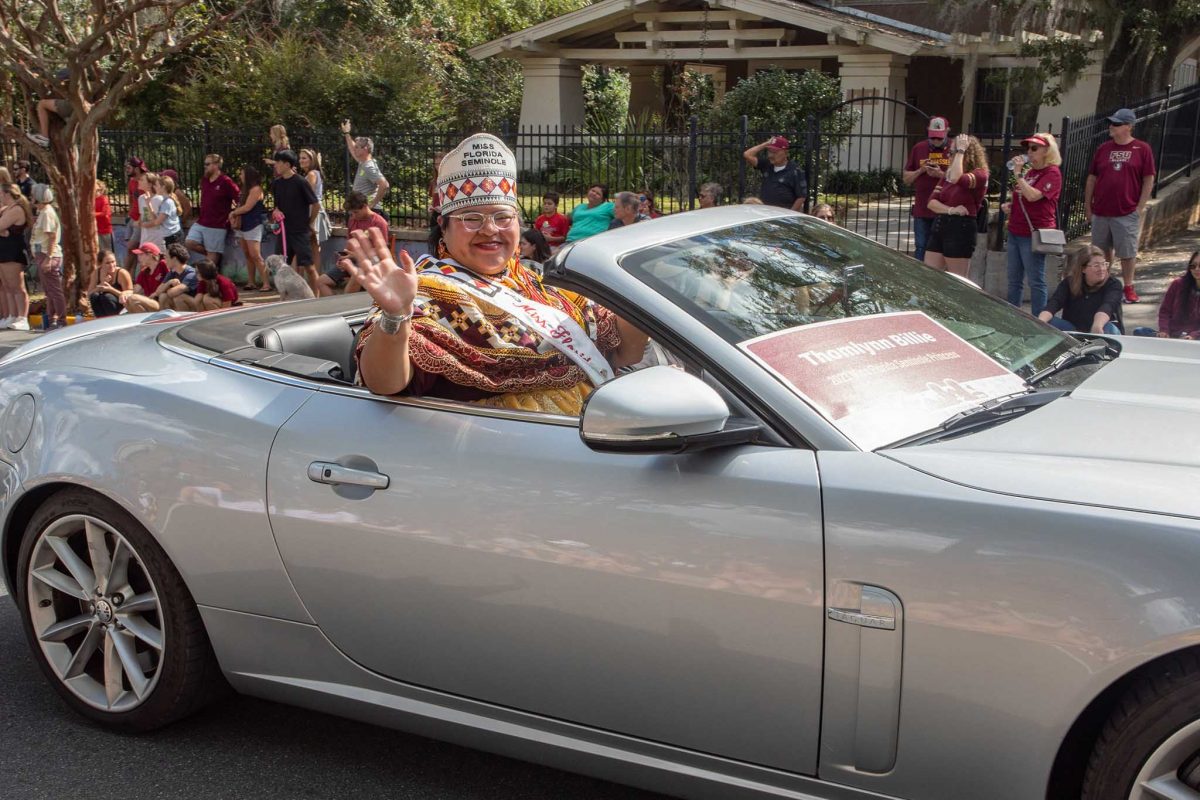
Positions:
{"x": 1131, "y": 296}
{"x": 37, "y": 138}
{"x": 6, "y": 322}
{"x": 19, "y": 324}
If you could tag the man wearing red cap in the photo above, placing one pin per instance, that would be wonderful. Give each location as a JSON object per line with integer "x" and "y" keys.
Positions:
{"x": 927, "y": 164}
{"x": 784, "y": 184}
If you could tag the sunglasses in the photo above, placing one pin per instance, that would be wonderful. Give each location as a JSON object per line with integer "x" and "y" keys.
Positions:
{"x": 1032, "y": 148}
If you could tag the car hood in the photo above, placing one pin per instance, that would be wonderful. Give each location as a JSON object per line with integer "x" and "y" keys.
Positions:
{"x": 1128, "y": 437}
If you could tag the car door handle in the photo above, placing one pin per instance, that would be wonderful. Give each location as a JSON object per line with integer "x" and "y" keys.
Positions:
{"x": 336, "y": 475}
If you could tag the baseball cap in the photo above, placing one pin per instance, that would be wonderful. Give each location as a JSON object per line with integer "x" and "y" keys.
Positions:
{"x": 939, "y": 128}
{"x": 134, "y": 161}
{"x": 170, "y": 173}
{"x": 779, "y": 143}
{"x": 1123, "y": 116}
{"x": 287, "y": 157}
{"x": 147, "y": 247}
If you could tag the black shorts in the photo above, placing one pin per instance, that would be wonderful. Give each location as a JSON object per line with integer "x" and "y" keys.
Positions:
{"x": 299, "y": 249}
{"x": 952, "y": 236}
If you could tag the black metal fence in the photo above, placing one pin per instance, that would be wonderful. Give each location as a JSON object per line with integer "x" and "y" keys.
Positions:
{"x": 853, "y": 162}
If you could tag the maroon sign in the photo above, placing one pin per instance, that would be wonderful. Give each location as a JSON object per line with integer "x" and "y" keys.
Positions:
{"x": 883, "y": 377}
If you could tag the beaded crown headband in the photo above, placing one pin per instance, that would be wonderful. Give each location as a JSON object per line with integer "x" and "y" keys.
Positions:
{"x": 481, "y": 170}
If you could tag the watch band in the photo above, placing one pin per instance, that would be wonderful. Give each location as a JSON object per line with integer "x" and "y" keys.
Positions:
{"x": 390, "y": 323}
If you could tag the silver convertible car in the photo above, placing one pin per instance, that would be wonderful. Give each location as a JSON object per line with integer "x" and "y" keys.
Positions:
{"x": 853, "y": 529}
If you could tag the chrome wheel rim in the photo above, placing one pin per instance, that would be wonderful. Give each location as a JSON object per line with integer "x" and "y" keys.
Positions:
{"x": 1159, "y": 778}
{"x": 96, "y": 613}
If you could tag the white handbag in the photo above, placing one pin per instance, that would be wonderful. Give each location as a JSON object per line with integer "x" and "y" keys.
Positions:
{"x": 1050, "y": 241}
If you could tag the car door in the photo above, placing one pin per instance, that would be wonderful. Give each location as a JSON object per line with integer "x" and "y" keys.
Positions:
{"x": 676, "y": 598}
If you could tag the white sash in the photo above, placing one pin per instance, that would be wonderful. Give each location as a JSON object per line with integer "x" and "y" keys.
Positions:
{"x": 556, "y": 327}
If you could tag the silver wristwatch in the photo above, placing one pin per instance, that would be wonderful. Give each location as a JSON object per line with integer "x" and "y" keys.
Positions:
{"x": 390, "y": 323}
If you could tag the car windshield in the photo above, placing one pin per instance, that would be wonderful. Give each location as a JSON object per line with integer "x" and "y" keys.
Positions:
{"x": 773, "y": 275}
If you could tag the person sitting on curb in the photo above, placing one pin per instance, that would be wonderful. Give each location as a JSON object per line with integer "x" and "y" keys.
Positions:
{"x": 1089, "y": 298}
{"x": 1179, "y": 312}
{"x": 359, "y": 217}
{"x": 176, "y": 291}
{"x": 110, "y": 286}
{"x": 214, "y": 290}
{"x": 626, "y": 210}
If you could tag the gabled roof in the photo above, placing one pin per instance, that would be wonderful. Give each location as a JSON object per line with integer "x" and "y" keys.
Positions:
{"x": 611, "y": 16}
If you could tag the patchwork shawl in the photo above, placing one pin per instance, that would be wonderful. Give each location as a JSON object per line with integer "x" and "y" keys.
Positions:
{"x": 473, "y": 343}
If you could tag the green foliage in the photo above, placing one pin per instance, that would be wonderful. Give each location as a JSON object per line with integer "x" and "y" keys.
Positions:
{"x": 875, "y": 181}
{"x": 628, "y": 160}
{"x": 299, "y": 82}
{"x": 777, "y": 99}
{"x": 605, "y": 98}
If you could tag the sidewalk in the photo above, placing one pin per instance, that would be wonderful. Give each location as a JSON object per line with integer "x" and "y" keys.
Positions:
{"x": 1156, "y": 269}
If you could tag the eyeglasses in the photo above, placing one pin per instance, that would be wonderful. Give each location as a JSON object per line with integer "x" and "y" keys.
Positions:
{"x": 474, "y": 221}
{"x": 1194, "y": 266}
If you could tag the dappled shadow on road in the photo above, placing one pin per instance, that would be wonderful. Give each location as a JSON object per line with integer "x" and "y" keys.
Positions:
{"x": 242, "y": 747}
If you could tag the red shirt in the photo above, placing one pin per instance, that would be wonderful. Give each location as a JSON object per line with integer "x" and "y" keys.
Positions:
{"x": 1043, "y": 213}
{"x": 374, "y": 221}
{"x": 148, "y": 281}
{"x": 558, "y": 226}
{"x": 1119, "y": 170}
{"x": 217, "y": 199}
{"x": 103, "y": 216}
{"x": 967, "y": 191}
{"x": 134, "y": 194}
{"x": 229, "y": 292}
{"x": 924, "y": 184}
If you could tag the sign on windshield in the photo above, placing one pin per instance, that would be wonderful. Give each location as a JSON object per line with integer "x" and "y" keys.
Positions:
{"x": 884, "y": 377}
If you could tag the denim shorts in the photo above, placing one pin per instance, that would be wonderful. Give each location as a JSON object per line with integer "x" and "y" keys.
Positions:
{"x": 213, "y": 239}
{"x": 252, "y": 235}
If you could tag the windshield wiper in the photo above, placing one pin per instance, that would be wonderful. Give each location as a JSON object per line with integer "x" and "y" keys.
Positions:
{"x": 991, "y": 411}
{"x": 1083, "y": 351}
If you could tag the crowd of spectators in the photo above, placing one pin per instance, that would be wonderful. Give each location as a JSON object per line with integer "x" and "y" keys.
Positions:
{"x": 949, "y": 176}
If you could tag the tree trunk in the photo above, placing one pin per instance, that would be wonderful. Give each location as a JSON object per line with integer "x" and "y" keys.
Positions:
{"x": 1128, "y": 76}
{"x": 73, "y": 177}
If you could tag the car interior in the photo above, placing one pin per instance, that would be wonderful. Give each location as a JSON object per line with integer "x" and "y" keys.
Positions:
{"x": 319, "y": 345}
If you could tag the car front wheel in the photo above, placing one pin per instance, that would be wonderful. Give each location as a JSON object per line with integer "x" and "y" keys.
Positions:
{"x": 108, "y": 617}
{"x": 1150, "y": 747}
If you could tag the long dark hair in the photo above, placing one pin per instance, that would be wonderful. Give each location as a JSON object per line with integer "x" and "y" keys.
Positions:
{"x": 1191, "y": 293}
{"x": 541, "y": 250}
{"x": 251, "y": 179}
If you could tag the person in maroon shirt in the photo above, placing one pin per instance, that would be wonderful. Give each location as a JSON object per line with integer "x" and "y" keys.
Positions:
{"x": 135, "y": 168}
{"x": 214, "y": 290}
{"x": 218, "y": 196}
{"x": 1035, "y": 203}
{"x": 1179, "y": 313}
{"x": 360, "y": 218}
{"x": 927, "y": 164}
{"x": 152, "y": 271}
{"x": 956, "y": 201}
{"x": 1118, "y": 187}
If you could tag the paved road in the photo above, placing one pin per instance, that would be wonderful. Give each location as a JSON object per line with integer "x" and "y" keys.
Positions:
{"x": 244, "y": 748}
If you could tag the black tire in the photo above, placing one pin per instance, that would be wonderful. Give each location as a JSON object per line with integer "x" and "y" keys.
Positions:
{"x": 187, "y": 673}
{"x": 1155, "y": 708}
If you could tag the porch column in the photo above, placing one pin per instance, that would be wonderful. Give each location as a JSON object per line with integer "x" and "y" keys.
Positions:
{"x": 886, "y": 74}
{"x": 553, "y": 93}
{"x": 645, "y": 92}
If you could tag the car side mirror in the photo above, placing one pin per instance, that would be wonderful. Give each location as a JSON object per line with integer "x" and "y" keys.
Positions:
{"x": 659, "y": 410}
